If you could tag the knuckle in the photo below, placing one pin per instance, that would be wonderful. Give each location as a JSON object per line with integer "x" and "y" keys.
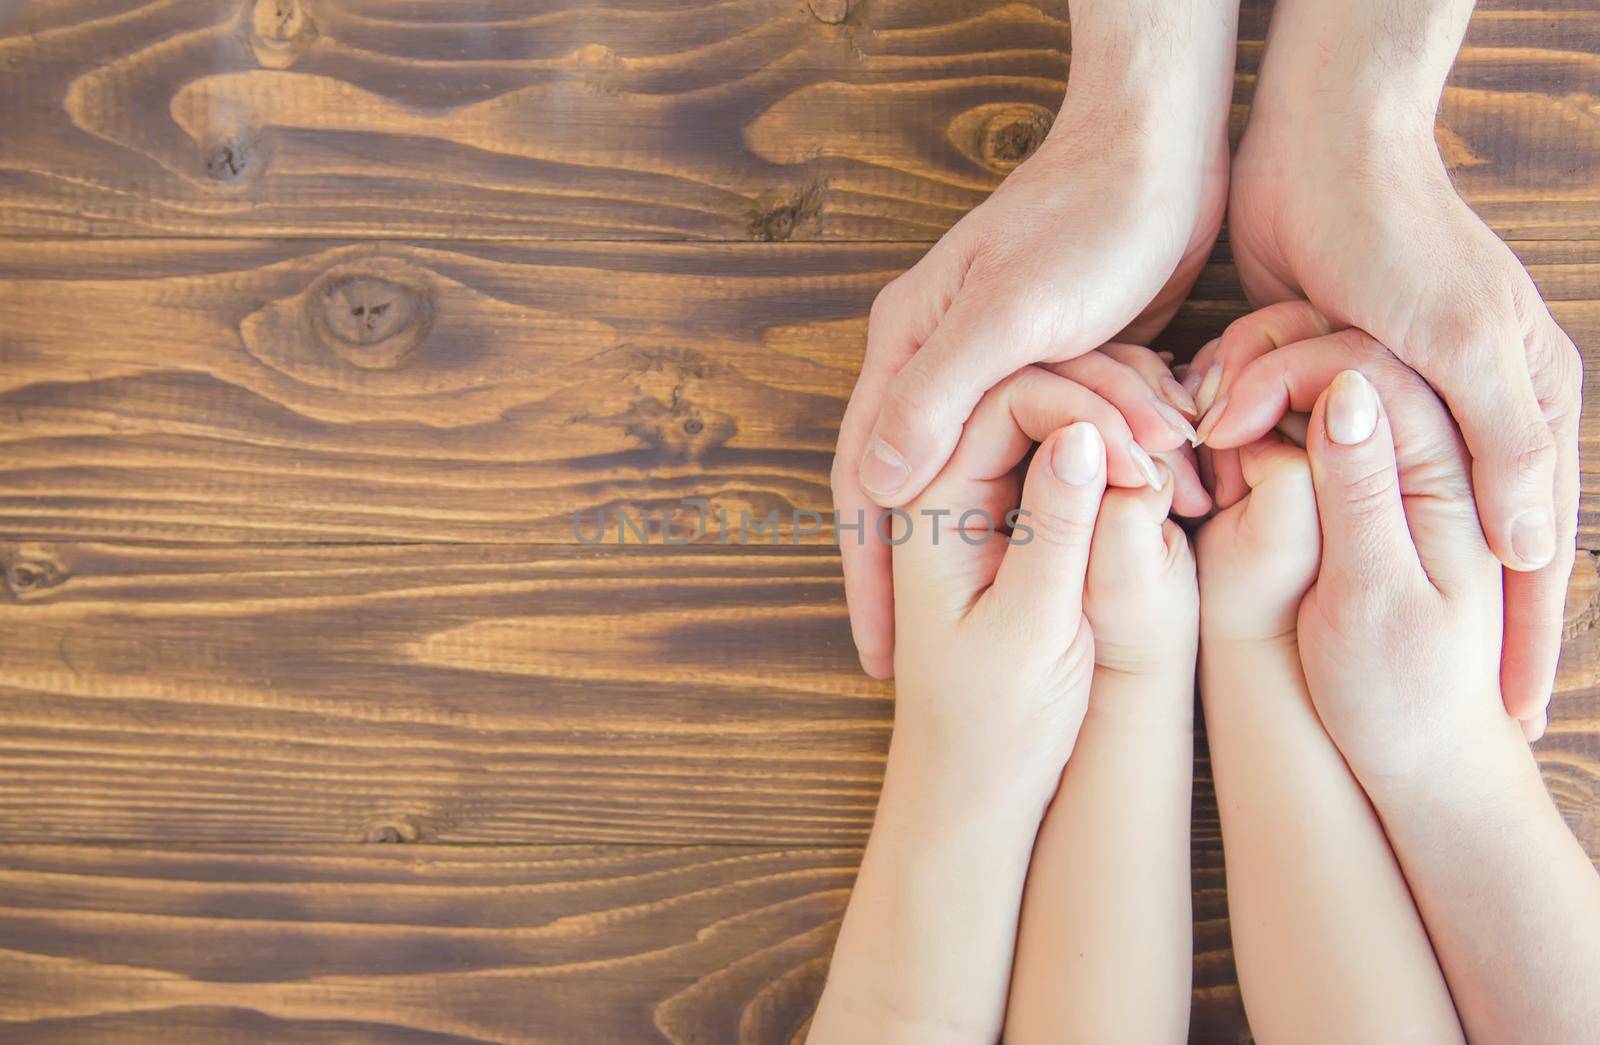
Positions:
{"x": 1369, "y": 493}
{"x": 1061, "y": 528}
{"x": 888, "y": 301}
{"x": 1534, "y": 455}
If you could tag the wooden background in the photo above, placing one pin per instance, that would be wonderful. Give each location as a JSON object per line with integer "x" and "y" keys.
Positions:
{"x": 318, "y": 318}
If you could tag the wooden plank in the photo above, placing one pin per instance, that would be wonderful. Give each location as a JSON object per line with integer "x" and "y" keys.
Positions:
{"x": 240, "y": 390}
{"x": 521, "y": 694}
{"x": 435, "y": 943}
{"x": 415, "y": 943}
{"x": 712, "y": 119}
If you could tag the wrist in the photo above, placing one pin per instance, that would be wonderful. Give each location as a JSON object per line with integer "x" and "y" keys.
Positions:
{"x": 1484, "y": 768}
{"x": 1150, "y": 80}
{"x": 934, "y": 789}
{"x": 1366, "y": 74}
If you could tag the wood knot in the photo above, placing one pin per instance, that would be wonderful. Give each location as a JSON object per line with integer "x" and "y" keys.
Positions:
{"x": 28, "y": 575}
{"x": 829, "y": 12}
{"x": 394, "y": 832}
{"x": 230, "y": 160}
{"x": 779, "y": 223}
{"x": 1012, "y": 134}
{"x": 279, "y": 30}
{"x": 369, "y": 321}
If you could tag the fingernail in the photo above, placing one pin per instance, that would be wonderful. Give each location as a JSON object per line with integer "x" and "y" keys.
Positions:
{"x": 1533, "y": 728}
{"x": 1176, "y": 421}
{"x": 883, "y": 471}
{"x": 1163, "y": 475}
{"x": 1147, "y": 466}
{"x": 1352, "y": 412}
{"x": 1206, "y": 394}
{"x": 1079, "y": 455}
{"x": 1209, "y": 422}
{"x": 1533, "y": 537}
{"x": 1179, "y": 396}
{"x": 1166, "y": 357}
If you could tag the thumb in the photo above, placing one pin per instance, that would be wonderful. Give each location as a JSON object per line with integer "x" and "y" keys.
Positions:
{"x": 1366, "y": 544}
{"x": 1041, "y": 578}
{"x": 1513, "y": 456}
{"x": 932, "y": 396}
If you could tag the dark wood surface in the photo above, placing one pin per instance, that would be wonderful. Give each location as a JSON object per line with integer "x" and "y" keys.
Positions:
{"x": 318, "y": 321}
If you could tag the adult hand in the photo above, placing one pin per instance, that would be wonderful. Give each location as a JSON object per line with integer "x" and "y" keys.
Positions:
{"x": 1339, "y": 196}
{"x": 1102, "y": 231}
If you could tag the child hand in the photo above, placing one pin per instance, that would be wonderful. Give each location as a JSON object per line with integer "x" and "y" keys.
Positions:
{"x": 1400, "y": 637}
{"x": 1140, "y": 595}
{"x": 1154, "y": 417}
{"x": 995, "y": 656}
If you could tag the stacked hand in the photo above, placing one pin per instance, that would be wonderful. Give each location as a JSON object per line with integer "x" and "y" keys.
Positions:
{"x": 1390, "y": 462}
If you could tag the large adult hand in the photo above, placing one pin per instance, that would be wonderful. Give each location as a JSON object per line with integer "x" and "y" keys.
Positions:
{"x": 1339, "y": 196}
{"x": 1102, "y": 231}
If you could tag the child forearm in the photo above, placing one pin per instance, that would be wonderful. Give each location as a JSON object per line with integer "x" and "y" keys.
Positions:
{"x": 924, "y": 953}
{"x": 1325, "y": 933}
{"x": 1104, "y": 951}
{"x": 1508, "y": 894}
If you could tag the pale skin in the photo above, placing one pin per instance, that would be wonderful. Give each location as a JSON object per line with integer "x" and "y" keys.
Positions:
{"x": 1389, "y": 842}
{"x": 1103, "y": 230}
{"x": 1397, "y": 643}
{"x": 1325, "y": 933}
{"x": 997, "y": 674}
{"x": 1337, "y": 194}
{"x": 1104, "y": 948}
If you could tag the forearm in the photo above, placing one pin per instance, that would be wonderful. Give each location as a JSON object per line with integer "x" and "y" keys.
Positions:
{"x": 1360, "y": 68}
{"x": 1160, "y": 72}
{"x": 1509, "y": 897}
{"x": 924, "y": 954}
{"x": 1104, "y": 950}
{"x": 1325, "y": 933}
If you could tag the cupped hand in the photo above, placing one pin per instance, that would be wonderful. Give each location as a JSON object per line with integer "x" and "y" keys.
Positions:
{"x": 1365, "y": 224}
{"x": 995, "y": 653}
{"x": 1097, "y": 234}
{"x": 1399, "y": 636}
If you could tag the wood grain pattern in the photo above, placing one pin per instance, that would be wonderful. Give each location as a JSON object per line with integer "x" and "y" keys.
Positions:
{"x": 306, "y": 391}
{"x": 297, "y": 943}
{"x": 415, "y": 943}
{"x": 481, "y": 694}
{"x": 223, "y": 666}
{"x": 709, "y": 119}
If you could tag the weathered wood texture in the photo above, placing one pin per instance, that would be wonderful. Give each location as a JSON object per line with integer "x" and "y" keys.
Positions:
{"x": 480, "y": 694}
{"x": 446, "y": 943}
{"x": 307, "y": 391}
{"x": 223, "y": 668}
{"x": 410, "y": 943}
{"x": 713, "y": 119}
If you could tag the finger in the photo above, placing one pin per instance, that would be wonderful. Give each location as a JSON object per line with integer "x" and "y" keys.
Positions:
{"x": 1228, "y": 485}
{"x": 868, "y": 581}
{"x": 1433, "y": 462}
{"x": 1533, "y": 728}
{"x": 903, "y": 314}
{"x": 1190, "y": 498}
{"x": 1156, "y": 369}
{"x": 1245, "y": 341}
{"x": 1040, "y": 580}
{"x": 1534, "y": 602}
{"x": 1195, "y": 370}
{"x": 1513, "y": 453}
{"x": 1251, "y": 337}
{"x": 1130, "y": 524}
{"x": 1281, "y": 514}
{"x": 974, "y": 347}
{"x": 1021, "y": 410}
{"x": 1155, "y": 423}
{"x": 1366, "y": 544}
